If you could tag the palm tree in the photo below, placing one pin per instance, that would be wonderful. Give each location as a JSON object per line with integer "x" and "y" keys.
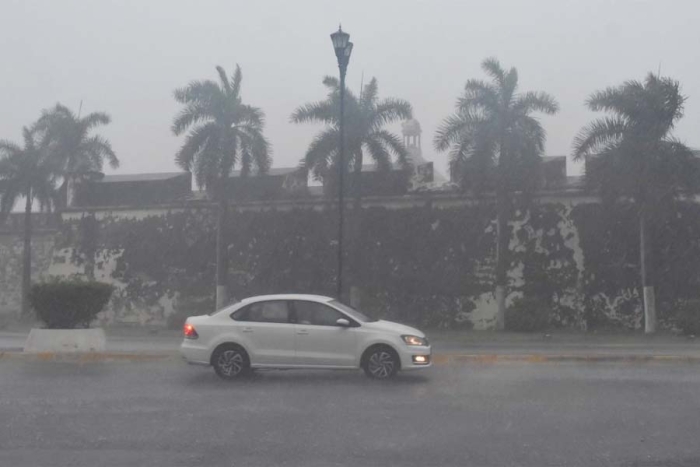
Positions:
{"x": 78, "y": 154}
{"x": 223, "y": 132}
{"x": 365, "y": 119}
{"x": 77, "y": 150}
{"x": 365, "y": 134}
{"x": 26, "y": 172}
{"x": 495, "y": 142}
{"x": 634, "y": 157}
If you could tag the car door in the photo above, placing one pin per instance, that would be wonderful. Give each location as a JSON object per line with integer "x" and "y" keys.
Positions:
{"x": 320, "y": 341}
{"x": 267, "y": 332}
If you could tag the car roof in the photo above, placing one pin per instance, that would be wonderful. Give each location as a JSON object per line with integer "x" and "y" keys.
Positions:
{"x": 291, "y": 296}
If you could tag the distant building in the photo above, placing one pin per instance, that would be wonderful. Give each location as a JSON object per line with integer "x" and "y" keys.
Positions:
{"x": 411, "y": 131}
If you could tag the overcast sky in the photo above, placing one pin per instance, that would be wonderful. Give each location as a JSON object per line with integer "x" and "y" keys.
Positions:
{"x": 126, "y": 57}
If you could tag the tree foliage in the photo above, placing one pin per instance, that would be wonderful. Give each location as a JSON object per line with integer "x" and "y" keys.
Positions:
{"x": 492, "y": 138}
{"x": 27, "y": 171}
{"x": 365, "y": 119}
{"x": 632, "y": 152}
{"x": 223, "y": 130}
{"x": 73, "y": 146}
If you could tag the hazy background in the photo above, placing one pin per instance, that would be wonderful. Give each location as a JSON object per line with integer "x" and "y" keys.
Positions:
{"x": 126, "y": 57}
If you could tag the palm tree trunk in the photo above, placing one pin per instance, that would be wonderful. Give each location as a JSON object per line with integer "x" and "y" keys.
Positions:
{"x": 221, "y": 253}
{"x": 502, "y": 241}
{"x": 356, "y": 249}
{"x": 27, "y": 255}
{"x": 645, "y": 253}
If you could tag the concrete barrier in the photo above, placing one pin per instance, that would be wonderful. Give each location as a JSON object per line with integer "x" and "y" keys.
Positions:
{"x": 65, "y": 340}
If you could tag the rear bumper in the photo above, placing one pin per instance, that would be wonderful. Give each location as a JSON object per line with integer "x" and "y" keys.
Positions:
{"x": 193, "y": 353}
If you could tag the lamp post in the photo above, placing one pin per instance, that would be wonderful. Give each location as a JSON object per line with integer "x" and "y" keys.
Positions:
{"x": 343, "y": 49}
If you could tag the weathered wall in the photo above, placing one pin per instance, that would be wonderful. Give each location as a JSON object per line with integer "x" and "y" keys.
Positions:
{"x": 11, "y": 267}
{"x": 423, "y": 265}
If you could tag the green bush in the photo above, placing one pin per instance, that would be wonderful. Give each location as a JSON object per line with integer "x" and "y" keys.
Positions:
{"x": 527, "y": 315}
{"x": 65, "y": 304}
{"x": 688, "y": 318}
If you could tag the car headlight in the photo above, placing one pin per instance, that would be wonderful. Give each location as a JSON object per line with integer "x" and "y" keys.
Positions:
{"x": 415, "y": 340}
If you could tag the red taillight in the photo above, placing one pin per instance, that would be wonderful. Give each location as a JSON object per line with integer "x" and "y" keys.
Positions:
{"x": 190, "y": 332}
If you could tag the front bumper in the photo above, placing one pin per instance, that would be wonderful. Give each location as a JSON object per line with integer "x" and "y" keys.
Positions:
{"x": 408, "y": 356}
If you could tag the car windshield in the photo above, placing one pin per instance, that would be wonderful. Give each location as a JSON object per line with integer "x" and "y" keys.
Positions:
{"x": 353, "y": 313}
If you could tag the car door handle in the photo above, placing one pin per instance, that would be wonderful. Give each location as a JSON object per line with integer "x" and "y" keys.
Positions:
{"x": 247, "y": 329}
{"x": 302, "y": 332}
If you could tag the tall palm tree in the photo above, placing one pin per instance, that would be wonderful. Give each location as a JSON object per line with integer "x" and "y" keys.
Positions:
{"x": 223, "y": 132}
{"x": 26, "y": 172}
{"x": 365, "y": 134}
{"x": 633, "y": 156}
{"x": 365, "y": 119}
{"x": 495, "y": 142}
{"x": 77, "y": 150}
{"x": 78, "y": 154}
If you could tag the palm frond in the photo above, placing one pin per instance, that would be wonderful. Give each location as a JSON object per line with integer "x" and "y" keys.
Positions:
{"x": 599, "y": 134}
{"x": 202, "y": 92}
{"x": 394, "y": 145}
{"x": 236, "y": 81}
{"x": 390, "y": 110}
{"x": 95, "y": 119}
{"x": 369, "y": 92}
{"x": 322, "y": 150}
{"x": 455, "y": 128}
{"x": 191, "y": 114}
{"x": 533, "y": 101}
{"x": 100, "y": 149}
{"x": 223, "y": 80}
{"x": 8, "y": 148}
{"x": 478, "y": 96}
{"x": 492, "y": 67}
{"x": 332, "y": 83}
{"x": 194, "y": 143}
{"x": 323, "y": 111}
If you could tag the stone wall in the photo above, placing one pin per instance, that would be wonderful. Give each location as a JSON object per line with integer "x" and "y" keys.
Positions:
{"x": 11, "y": 267}
{"x": 427, "y": 265}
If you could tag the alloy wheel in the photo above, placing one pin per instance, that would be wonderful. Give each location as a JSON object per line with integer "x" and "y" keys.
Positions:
{"x": 381, "y": 364}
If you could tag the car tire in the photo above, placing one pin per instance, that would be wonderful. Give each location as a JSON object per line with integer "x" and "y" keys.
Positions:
{"x": 381, "y": 362}
{"x": 230, "y": 362}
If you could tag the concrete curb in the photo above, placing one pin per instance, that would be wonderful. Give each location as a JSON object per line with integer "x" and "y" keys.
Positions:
{"x": 441, "y": 359}
{"x": 448, "y": 359}
{"x": 88, "y": 357}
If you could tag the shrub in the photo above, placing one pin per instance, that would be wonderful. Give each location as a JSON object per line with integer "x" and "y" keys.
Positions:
{"x": 527, "y": 315}
{"x": 688, "y": 318}
{"x": 65, "y": 304}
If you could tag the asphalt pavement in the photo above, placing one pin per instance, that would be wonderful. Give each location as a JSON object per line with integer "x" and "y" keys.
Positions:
{"x": 165, "y": 413}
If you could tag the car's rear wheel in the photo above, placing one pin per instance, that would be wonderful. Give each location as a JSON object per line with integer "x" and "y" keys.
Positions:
{"x": 230, "y": 362}
{"x": 381, "y": 363}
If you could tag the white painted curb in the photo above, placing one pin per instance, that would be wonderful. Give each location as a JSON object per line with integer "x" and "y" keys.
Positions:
{"x": 65, "y": 340}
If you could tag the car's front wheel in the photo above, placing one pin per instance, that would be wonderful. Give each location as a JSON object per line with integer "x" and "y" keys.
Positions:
{"x": 381, "y": 363}
{"x": 230, "y": 362}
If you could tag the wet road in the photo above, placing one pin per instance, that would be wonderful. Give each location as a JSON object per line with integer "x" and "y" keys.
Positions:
{"x": 505, "y": 414}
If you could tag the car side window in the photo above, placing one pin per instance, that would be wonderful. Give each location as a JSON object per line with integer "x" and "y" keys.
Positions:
{"x": 316, "y": 314}
{"x": 275, "y": 311}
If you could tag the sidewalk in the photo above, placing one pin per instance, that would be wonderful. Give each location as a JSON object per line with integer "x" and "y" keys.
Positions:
{"x": 449, "y": 346}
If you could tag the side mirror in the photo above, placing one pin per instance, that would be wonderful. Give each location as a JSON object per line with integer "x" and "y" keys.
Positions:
{"x": 343, "y": 322}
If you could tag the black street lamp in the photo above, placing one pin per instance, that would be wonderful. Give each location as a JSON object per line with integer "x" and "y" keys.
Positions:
{"x": 343, "y": 49}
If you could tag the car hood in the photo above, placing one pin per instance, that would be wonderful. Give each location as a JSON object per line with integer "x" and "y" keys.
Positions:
{"x": 390, "y": 326}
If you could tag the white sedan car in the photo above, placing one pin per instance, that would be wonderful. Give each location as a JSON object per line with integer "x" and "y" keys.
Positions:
{"x": 301, "y": 331}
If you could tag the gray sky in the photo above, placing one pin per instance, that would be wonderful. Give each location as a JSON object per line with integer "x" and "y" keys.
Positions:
{"x": 126, "y": 57}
